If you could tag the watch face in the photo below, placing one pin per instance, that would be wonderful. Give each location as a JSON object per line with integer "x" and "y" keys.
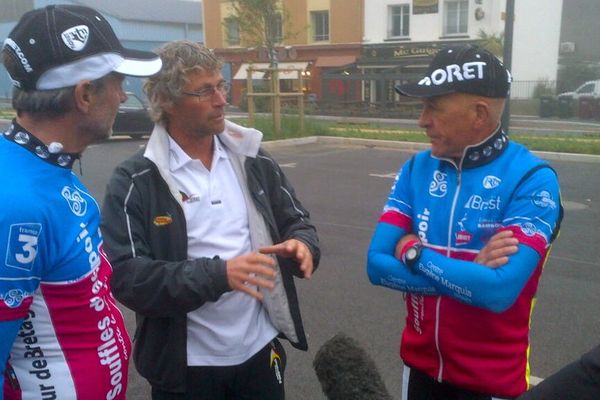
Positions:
{"x": 411, "y": 254}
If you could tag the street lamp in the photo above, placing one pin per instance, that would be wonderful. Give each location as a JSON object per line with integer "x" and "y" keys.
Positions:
{"x": 508, "y": 42}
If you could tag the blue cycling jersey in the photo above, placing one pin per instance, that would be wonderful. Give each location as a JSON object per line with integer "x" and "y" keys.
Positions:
{"x": 455, "y": 210}
{"x": 62, "y": 333}
{"x": 466, "y": 323}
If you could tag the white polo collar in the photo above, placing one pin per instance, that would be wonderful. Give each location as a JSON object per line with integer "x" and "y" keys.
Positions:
{"x": 178, "y": 158}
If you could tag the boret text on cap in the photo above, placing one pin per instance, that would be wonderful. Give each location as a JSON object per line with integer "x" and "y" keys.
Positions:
{"x": 461, "y": 69}
{"x": 59, "y": 45}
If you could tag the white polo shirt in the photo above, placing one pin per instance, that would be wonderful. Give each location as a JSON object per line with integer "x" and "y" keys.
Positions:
{"x": 235, "y": 327}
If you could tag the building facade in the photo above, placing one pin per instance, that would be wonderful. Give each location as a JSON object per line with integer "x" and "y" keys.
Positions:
{"x": 357, "y": 50}
{"x": 321, "y": 35}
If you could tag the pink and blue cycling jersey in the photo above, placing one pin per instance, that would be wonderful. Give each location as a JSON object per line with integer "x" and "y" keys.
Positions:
{"x": 63, "y": 336}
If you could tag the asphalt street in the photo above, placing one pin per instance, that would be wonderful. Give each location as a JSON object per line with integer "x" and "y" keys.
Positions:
{"x": 344, "y": 186}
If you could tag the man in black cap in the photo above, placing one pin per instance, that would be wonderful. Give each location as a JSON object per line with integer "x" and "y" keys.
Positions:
{"x": 465, "y": 233}
{"x": 63, "y": 336}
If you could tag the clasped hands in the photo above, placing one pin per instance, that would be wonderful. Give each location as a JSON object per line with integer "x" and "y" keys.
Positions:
{"x": 494, "y": 254}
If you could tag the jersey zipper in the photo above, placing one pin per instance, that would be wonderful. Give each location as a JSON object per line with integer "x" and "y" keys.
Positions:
{"x": 448, "y": 252}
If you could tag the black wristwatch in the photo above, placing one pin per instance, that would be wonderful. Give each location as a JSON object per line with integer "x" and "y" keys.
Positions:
{"x": 411, "y": 255}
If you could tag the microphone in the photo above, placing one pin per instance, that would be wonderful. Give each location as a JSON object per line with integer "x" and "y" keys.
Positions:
{"x": 347, "y": 372}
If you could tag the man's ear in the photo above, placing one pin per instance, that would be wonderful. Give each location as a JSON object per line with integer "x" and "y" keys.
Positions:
{"x": 482, "y": 114}
{"x": 167, "y": 106}
{"x": 83, "y": 96}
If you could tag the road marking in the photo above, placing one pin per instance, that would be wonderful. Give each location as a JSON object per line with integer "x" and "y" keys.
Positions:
{"x": 288, "y": 165}
{"x": 534, "y": 380}
{"x": 391, "y": 175}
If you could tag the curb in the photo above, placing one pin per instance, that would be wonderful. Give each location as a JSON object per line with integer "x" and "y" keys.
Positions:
{"x": 411, "y": 147}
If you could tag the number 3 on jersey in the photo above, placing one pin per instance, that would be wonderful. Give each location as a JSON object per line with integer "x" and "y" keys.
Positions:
{"x": 22, "y": 245}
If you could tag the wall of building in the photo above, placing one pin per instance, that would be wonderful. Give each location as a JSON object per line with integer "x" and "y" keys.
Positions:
{"x": 536, "y": 40}
{"x": 346, "y": 21}
{"x": 298, "y": 22}
{"x": 580, "y": 25}
{"x": 213, "y": 33}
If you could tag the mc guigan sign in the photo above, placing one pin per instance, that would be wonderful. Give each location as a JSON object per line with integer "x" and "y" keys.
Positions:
{"x": 400, "y": 51}
{"x": 425, "y": 6}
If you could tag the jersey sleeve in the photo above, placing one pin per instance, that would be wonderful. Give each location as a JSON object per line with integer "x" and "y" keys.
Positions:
{"x": 398, "y": 209}
{"x": 383, "y": 268}
{"x": 534, "y": 212}
{"x": 495, "y": 289}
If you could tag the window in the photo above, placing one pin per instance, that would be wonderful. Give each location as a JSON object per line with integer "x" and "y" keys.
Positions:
{"x": 589, "y": 88}
{"x": 398, "y": 20}
{"x": 232, "y": 32}
{"x": 456, "y": 17}
{"x": 320, "y": 25}
{"x": 278, "y": 28}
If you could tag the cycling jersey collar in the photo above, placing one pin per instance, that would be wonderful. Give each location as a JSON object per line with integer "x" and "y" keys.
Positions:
{"x": 486, "y": 151}
{"x": 19, "y": 135}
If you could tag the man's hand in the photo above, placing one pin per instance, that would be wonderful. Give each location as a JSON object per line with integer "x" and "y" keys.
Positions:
{"x": 497, "y": 249}
{"x": 295, "y": 249}
{"x": 249, "y": 270}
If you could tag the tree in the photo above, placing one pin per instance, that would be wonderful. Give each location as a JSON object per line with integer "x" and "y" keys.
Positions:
{"x": 261, "y": 24}
{"x": 492, "y": 42}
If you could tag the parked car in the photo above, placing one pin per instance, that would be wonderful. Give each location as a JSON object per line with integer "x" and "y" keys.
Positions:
{"x": 590, "y": 88}
{"x": 133, "y": 119}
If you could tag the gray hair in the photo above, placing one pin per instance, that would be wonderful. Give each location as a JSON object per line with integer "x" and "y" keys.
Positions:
{"x": 48, "y": 102}
{"x": 178, "y": 59}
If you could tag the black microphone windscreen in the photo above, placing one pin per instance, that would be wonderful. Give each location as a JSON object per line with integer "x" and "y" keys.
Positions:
{"x": 347, "y": 372}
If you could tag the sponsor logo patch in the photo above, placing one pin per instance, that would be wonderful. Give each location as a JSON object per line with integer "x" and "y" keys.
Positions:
{"x": 491, "y": 182}
{"x": 14, "y": 297}
{"x": 22, "y": 245}
{"x": 543, "y": 199}
{"x": 162, "y": 220}
{"x": 528, "y": 228}
{"x": 76, "y": 37}
{"x": 439, "y": 185}
{"x": 463, "y": 236}
{"x": 24, "y": 61}
{"x": 77, "y": 203}
{"x": 423, "y": 224}
{"x": 477, "y": 202}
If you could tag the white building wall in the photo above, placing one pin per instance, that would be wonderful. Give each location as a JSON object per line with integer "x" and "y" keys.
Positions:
{"x": 535, "y": 38}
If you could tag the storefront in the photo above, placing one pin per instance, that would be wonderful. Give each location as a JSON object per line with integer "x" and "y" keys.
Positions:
{"x": 310, "y": 61}
{"x": 385, "y": 65}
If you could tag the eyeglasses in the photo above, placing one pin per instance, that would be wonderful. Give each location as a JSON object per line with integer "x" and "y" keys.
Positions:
{"x": 207, "y": 93}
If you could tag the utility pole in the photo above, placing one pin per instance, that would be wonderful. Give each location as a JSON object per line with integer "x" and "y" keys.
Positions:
{"x": 508, "y": 45}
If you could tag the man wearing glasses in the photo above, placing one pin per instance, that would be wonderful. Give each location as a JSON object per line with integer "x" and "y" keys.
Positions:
{"x": 206, "y": 234}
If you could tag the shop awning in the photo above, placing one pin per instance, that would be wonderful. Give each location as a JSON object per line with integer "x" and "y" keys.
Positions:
{"x": 334, "y": 61}
{"x": 242, "y": 73}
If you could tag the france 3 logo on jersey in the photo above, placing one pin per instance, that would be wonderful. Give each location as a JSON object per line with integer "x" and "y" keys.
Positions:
{"x": 23, "y": 245}
{"x": 77, "y": 203}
